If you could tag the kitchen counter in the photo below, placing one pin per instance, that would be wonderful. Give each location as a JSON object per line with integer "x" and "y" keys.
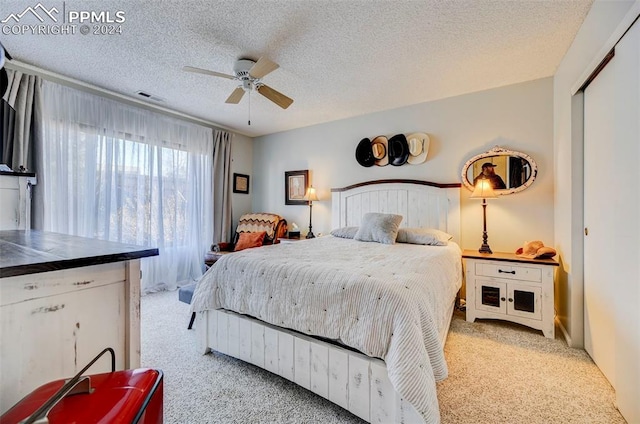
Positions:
{"x": 63, "y": 299}
{"x": 29, "y": 251}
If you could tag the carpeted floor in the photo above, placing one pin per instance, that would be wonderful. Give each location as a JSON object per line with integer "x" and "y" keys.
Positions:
{"x": 498, "y": 373}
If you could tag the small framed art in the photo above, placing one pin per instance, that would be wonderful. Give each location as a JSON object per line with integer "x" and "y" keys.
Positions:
{"x": 295, "y": 187}
{"x": 240, "y": 183}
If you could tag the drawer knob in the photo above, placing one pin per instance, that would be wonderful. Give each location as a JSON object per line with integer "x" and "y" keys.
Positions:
{"x": 510, "y": 300}
{"x": 506, "y": 272}
{"x": 503, "y": 299}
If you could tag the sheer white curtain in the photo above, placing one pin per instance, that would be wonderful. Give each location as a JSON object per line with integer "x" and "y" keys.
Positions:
{"x": 116, "y": 172}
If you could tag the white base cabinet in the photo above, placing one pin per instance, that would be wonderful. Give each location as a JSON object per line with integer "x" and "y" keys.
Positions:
{"x": 63, "y": 299}
{"x": 15, "y": 197}
{"x": 54, "y": 323}
{"x": 504, "y": 286}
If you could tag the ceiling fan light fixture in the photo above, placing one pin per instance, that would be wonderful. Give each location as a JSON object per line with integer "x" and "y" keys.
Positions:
{"x": 249, "y": 73}
{"x": 242, "y": 67}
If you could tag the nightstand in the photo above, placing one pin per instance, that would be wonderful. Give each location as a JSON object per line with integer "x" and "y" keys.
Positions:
{"x": 288, "y": 240}
{"x": 507, "y": 287}
{"x": 211, "y": 258}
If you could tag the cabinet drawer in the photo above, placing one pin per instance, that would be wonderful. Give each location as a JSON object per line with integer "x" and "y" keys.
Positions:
{"x": 45, "y": 284}
{"x": 511, "y": 272}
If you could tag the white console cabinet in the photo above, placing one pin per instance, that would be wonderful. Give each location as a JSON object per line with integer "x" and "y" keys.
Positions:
{"x": 15, "y": 200}
{"x": 62, "y": 300}
{"x": 507, "y": 287}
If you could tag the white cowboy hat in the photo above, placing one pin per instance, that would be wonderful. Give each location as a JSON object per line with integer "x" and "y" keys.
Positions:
{"x": 418, "y": 148}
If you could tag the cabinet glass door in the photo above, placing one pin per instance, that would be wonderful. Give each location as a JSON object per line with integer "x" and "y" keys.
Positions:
{"x": 524, "y": 301}
{"x": 491, "y": 296}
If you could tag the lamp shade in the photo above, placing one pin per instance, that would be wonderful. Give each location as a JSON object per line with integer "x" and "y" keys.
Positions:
{"x": 311, "y": 194}
{"x": 483, "y": 190}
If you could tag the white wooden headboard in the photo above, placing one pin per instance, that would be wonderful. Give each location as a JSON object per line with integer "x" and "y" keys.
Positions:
{"x": 421, "y": 203}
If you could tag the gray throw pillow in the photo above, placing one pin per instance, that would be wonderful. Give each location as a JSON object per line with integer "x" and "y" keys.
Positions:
{"x": 379, "y": 227}
{"x": 345, "y": 232}
{"x": 427, "y": 236}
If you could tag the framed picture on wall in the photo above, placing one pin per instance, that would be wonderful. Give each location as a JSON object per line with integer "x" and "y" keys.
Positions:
{"x": 295, "y": 187}
{"x": 240, "y": 183}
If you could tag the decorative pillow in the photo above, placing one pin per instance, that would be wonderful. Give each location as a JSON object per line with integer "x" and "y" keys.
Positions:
{"x": 428, "y": 236}
{"x": 345, "y": 232}
{"x": 249, "y": 240}
{"x": 379, "y": 227}
{"x": 255, "y": 222}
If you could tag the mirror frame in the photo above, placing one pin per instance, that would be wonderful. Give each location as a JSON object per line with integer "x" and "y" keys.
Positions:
{"x": 499, "y": 151}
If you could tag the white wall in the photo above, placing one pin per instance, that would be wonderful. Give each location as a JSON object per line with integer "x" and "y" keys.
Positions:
{"x": 518, "y": 117}
{"x": 599, "y": 24}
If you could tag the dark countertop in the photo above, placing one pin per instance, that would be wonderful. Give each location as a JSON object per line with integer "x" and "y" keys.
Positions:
{"x": 18, "y": 174}
{"x": 510, "y": 257}
{"x": 29, "y": 252}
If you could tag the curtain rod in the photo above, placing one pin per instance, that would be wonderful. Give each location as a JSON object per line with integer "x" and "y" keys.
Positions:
{"x": 94, "y": 89}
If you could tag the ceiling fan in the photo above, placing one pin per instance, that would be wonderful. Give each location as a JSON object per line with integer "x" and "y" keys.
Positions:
{"x": 249, "y": 73}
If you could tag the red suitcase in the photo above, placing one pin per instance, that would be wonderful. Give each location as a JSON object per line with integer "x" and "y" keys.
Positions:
{"x": 129, "y": 396}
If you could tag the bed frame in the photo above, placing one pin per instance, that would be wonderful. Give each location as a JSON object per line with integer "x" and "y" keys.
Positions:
{"x": 345, "y": 377}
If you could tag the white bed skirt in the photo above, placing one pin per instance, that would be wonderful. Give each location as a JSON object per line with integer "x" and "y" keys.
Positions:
{"x": 354, "y": 381}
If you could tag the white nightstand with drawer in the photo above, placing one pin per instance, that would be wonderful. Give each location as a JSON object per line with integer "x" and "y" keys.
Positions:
{"x": 504, "y": 286}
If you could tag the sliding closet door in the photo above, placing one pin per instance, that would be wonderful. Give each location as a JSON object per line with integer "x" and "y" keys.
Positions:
{"x": 611, "y": 216}
{"x": 600, "y": 189}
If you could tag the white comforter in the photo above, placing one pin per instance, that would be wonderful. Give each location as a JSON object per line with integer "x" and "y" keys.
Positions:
{"x": 387, "y": 301}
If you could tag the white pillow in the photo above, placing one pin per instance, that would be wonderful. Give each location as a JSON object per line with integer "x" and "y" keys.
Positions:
{"x": 379, "y": 227}
{"x": 427, "y": 236}
{"x": 345, "y": 232}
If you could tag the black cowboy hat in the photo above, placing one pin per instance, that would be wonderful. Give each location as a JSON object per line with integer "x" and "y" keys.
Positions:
{"x": 364, "y": 154}
{"x": 398, "y": 150}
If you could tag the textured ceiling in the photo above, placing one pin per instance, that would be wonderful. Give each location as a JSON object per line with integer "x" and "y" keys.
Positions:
{"x": 337, "y": 58}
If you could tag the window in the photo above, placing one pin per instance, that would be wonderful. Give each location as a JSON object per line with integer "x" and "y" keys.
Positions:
{"x": 119, "y": 173}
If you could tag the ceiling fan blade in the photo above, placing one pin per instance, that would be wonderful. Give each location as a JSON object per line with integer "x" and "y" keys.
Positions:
{"x": 275, "y": 96}
{"x": 262, "y": 67}
{"x": 236, "y": 96}
{"x": 207, "y": 72}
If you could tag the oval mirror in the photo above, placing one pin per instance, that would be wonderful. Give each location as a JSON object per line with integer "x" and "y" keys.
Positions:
{"x": 509, "y": 171}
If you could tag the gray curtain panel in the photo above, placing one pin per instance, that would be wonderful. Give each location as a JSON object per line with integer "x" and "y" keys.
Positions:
{"x": 18, "y": 108}
{"x": 8, "y": 116}
{"x": 221, "y": 186}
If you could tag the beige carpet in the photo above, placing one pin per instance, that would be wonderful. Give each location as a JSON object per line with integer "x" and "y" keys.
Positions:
{"x": 498, "y": 373}
{"x": 501, "y": 372}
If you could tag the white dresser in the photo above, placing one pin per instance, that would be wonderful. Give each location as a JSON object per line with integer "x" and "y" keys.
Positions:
{"x": 15, "y": 200}
{"x": 62, "y": 300}
{"x": 507, "y": 287}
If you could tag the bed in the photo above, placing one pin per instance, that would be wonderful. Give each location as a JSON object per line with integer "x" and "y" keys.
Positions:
{"x": 323, "y": 313}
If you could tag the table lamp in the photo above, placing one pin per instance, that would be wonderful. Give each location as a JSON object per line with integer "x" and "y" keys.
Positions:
{"x": 483, "y": 190}
{"x": 311, "y": 197}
